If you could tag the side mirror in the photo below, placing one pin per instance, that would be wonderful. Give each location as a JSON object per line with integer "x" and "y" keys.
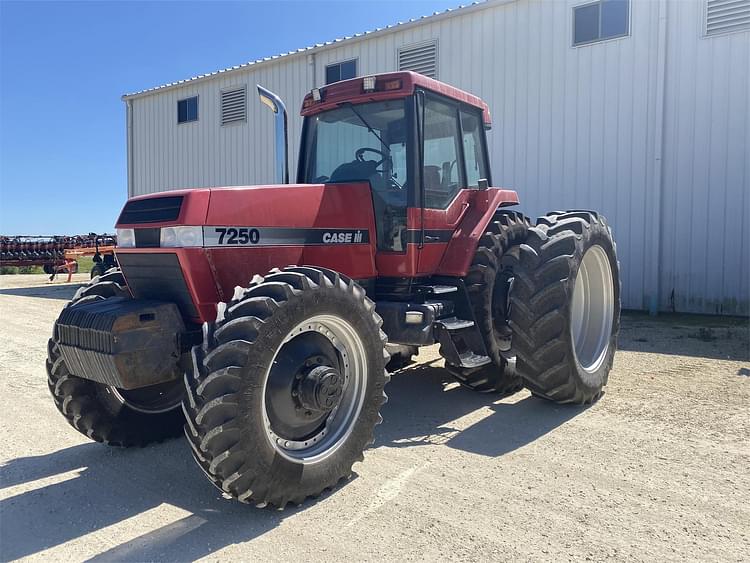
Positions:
{"x": 275, "y": 104}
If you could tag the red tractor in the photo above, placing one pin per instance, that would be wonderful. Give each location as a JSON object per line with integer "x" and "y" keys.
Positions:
{"x": 264, "y": 319}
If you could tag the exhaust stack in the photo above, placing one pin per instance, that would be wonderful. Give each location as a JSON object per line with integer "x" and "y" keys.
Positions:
{"x": 282, "y": 145}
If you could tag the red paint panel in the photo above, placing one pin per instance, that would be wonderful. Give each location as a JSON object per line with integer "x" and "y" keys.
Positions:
{"x": 460, "y": 250}
{"x": 398, "y": 264}
{"x": 429, "y": 258}
{"x": 237, "y": 266}
{"x": 294, "y": 205}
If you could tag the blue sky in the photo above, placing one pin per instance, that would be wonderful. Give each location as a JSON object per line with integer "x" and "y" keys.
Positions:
{"x": 64, "y": 66}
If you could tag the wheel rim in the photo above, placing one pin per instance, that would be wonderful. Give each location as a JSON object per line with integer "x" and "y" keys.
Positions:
{"x": 329, "y": 381}
{"x": 592, "y": 309}
{"x": 153, "y": 399}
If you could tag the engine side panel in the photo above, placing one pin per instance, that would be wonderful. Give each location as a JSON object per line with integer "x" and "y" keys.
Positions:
{"x": 331, "y": 225}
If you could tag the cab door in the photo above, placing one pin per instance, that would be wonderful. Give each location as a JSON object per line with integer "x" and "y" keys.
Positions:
{"x": 453, "y": 160}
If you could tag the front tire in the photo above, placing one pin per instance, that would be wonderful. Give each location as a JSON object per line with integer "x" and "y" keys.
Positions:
{"x": 287, "y": 387}
{"x": 97, "y": 269}
{"x": 104, "y": 413}
{"x": 565, "y": 312}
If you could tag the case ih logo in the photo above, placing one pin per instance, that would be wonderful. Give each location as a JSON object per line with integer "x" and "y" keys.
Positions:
{"x": 342, "y": 237}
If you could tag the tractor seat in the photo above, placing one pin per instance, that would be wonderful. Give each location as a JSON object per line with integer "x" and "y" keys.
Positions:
{"x": 431, "y": 178}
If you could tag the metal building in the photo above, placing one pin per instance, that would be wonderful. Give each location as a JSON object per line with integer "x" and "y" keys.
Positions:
{"x": 637, "y": 108}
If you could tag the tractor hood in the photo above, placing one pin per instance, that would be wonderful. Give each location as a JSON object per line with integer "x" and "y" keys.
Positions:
{"x": 274, "y": 215}
{"x": 284, "y": 205}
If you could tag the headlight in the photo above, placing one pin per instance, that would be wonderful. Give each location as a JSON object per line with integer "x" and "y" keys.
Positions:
{"x": 179, "y": 237}
{"x": 125, "y": 238}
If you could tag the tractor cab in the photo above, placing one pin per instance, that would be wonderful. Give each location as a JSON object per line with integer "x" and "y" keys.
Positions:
{"x": 420, "y": 145}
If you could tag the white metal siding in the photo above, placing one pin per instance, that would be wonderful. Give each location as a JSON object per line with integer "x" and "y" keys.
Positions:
{"x": 705, "y": 253}
{"x": 573, "y": 127}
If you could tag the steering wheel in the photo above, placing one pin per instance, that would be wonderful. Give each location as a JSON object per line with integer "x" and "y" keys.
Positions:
{"x": 360, "y": 155}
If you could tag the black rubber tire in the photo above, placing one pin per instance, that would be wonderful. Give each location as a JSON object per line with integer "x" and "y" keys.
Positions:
{"x": 487, "y": 284}
{"x": 223, "y": 404}
{"x": 545, "y": 276}
{"x": 93, "y": 408}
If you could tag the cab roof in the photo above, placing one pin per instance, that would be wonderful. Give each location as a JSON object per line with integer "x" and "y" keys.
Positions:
{"x": 389, "y": 86}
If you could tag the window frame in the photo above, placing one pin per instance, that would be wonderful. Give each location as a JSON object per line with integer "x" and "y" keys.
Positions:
{"x": 197, "y": 109}
{"x": 462, "y": 181}
{"x": 354, "y": 60}
{"x": 599, "y": 39}
{"x": 476, "y": 112}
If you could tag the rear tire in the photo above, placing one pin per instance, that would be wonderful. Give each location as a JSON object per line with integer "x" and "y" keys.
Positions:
{"x": 253, "y": 426}
{"x": 487, "y": 282}
{"x": 104, "y": 413}
{"x": 565, "y": 310}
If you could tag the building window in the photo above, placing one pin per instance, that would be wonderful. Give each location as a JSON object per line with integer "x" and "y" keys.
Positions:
{"x": 421, "y": 58}
{"x": 187, "y": 110}
{"x": 601, "y": 20}
{"x": 723, "y": 16}
{"x": 341, "y": 71}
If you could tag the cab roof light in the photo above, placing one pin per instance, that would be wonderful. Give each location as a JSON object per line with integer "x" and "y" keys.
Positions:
{"x": 392, "y": 85}
{"x": 368, "y": 83}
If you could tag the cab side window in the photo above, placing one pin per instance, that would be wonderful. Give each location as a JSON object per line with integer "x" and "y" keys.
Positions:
{"x": 476, "y": 165}
{"x": 442, "y": 172}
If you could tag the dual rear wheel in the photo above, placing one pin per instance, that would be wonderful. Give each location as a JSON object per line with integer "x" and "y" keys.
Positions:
{"x": 565, "y": 306}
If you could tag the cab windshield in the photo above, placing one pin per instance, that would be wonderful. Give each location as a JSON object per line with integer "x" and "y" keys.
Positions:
{"x": 364, "y": 143}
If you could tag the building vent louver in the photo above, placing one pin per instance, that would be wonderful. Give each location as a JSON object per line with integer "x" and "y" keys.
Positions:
{"x": 724, "y": 16}
{"x": 421, "y": 58}
{"x": 233, "y": 105}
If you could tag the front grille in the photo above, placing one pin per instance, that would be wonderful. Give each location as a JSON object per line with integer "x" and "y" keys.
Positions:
{"x": 158, "y": 277}
{"x": 152, "y": 210}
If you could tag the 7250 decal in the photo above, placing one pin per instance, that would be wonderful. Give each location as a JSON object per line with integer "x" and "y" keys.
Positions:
{"x": 242, "y": 235}
{"x": 216, "y": 235}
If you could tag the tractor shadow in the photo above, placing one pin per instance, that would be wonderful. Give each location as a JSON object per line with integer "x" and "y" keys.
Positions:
{"x": 425, "y": 404}
{"x": 97, "y": 487}
{"x": 63, "y": 292}
{"x": 88, "y": 487}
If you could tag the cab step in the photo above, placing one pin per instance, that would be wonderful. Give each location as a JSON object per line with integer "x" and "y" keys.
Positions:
{"x": 437, "y": 289}
{"x": 461, "y": 343}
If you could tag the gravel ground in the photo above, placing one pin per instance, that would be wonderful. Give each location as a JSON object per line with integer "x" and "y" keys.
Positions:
{"x": 656, "y": 470}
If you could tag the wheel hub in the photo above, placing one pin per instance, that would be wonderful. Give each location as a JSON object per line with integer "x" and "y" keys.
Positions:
{"x": 320, "y": 389}
{"x": 314, "y": 388}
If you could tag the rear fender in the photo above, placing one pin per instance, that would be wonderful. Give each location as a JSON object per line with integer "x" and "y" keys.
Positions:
{"x": 463, "y": 244}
